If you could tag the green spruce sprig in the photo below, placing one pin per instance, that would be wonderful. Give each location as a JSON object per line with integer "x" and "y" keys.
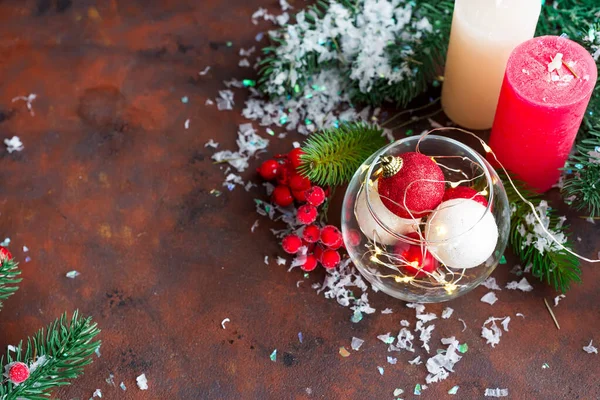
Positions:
{"x": 59, "y": 354}
{"x": 556, "y": 267}
{"x": 9, "y": 279}
{"x": 332, "y": 156}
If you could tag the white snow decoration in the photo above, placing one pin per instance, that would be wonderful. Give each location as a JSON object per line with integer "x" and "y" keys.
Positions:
{"x": 447, "y": 312}
{"x": 491, "y": 284}
{"x": 247, "y": 52}
{"x": 380, "y": 369}
{"x": 522, "y": 285}
{"x": 285, "y": 5}
{"x": 110, "y": 380}
{"x": 39, "y": 363}
{"x": 338, "y": 283}
{"x": 556, "y": 63}
{"x": 226, "y": 320}
{"x": 558, "y": 298}
{"x": 29, "y": 99}
{"x": 122, "y": 386}
{"x": 387, "y": 311}
{"x": 464, "y": 324}
{"x": 249, "y": 185}
{"x": 416, "y": 361}
{"x": 13, "y": 144}
{"x": 25, "y": 249}
{"x": 404, "y": 323}
{"x": 493, "y": 333}
{"x": 398, "y": 392}
{"x": 590, "y": 348}
{"x": 387, "y": 338}
{"x": 534, "y": 233}
{"x": 10, "y": 348}
{"x": 225, "y": 100}
{"x": 266, "y": 260}
{"x": 298, "y": 283}
{"x": 254, "y": 226}
{"x": 425, "y": 334}
{"x": 249, "y": 143}
{"x": 204, "y": 71}
{"x": 282, "y": 19}
{"x": 440, "y": 365}
{"x": 392, "y": 360}
{"x": 490, "y": 298}
{"x": 244, "y": 63}
{"x": 281, "y": 261}
{"x": 520, "y": 315}
{"x": 186, "y": 124}
{"x": 426, "y": 317}
{"x": 496, "y": 392}
{"x": 97, "y": 393}
{"x": 405, "y": 340}
{"x": 209, "y": 102}
{"x": 72, "y": 274}
{"x": 356, "y": 343}
{"x": 142, "y": 382}
{"x": 419, "y": 308}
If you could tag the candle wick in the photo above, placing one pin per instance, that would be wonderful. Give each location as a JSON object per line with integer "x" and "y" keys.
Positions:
{"x": 570, "y": 70}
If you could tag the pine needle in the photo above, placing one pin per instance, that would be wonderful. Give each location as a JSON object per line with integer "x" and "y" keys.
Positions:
{"x": 9, "y": 273}
{"x": 332, "y": 156}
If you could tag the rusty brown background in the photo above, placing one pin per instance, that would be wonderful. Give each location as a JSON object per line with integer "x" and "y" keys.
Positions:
{"x": 112, "y": 185}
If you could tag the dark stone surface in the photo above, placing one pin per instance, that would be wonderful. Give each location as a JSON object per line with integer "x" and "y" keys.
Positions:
{"x": 112, "y": 185}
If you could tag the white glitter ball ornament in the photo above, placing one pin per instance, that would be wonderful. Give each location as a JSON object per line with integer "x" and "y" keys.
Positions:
{"x": 371, "y": 228}
{"x": 468, "y": 239}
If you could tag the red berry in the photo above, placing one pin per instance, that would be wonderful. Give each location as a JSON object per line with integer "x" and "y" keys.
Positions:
{"x": 284, "y": 173}
{"x": 315, "y": 196}
{"x": 311, "y": 233}
{"x": 299, "y": 195}
{"x": 282, "y": 196}
{"x": 417, "y": 261}
{"x": 298, "y": 182}
{"x": 291, "y": 244}
{"x": 18, "y": 372}
{"x": 331, "y": 236}
{"x": 5, "y": 254}
{"x": 294, "y": 157}
{"x": 318, "y": 252}
{"x": 464, "y": 192}
{"x": 310, "y": 263}
{"x": 307, "y": 214}
{"x": 330, "y": 259}
{"x": 268, "y": 170}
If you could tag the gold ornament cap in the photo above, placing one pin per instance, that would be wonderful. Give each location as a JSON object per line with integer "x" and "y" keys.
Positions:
{"x": 391, "y": 165}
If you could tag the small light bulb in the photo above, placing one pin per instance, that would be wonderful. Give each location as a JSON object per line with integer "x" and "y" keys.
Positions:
{"x": 374, "y": 259}
{"x": 450, "y": 287}
{"x": 454, "y": 184}
{"x": 487, "y": 148}
{"x": 484, "y": 192}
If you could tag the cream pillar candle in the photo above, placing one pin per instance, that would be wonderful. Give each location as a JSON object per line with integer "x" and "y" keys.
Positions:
{"x": 484, "y": 33}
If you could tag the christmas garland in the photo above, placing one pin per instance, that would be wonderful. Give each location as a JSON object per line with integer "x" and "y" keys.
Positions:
{"x": 403, "y": 59}
{"x": 52, "y": 357}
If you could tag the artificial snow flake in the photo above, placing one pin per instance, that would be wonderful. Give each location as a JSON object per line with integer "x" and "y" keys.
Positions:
{"x": 72, "y": 274}
{"x": 556, "y": 63}
{"x": 224, "y": 322}
{"x": 490, "y": 298}
{"x": 447, "y": 312}
{"x": 204, "y": 71}
{"x": 254, "y": 226}
{"x": 380, "y": 369}
{"x": 453, "y": 390}
{"x": 225, "y": 100}
{"x": 416, "y": 361}
{"x": 590, "y": 348}
{"x": 122, "y": 386}
{"x": 425, "y": 334}
{"x": 356, "y": 343}
{"x": 343, "y": 352}
{"x": 392, "y": 360}
{"x": 496, "y": 392}
{"x": 110, "y": 380}
{"x": 535, "y": 235}
{"x": 186, "y": 124}
{"x": 142, "y": 382}
{"x": 29, "y": 100}
{"x": 493, "y": 333}
{"x": 273, "y": 355}
{"x": 387, "y": 311}
{"x": 405, "y": 340}
{"x": 491, "y": 284}
{"x": 558, "y": 298}
{"x": 97, "y": 393}
{"x": 440, "y": 365}
{"x": 398, "y": 392}
{"x": 281, "y": 261}
{"x": 387, "y": 339}
{"x": 522, "y": 285}
{"x": 244, "y": 63}
{"x": 13, "y": 144}
{"x": 404, "y": 323}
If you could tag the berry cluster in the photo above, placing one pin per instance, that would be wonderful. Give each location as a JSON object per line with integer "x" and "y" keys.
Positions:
{"x": 315, "y": 244}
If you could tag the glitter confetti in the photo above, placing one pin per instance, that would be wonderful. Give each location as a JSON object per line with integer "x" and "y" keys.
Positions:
{"x": 186, "y": 124}
{"x": 249, "y": 83}
{"x": 463, "y": 348}
{"x": 502, "y": 260}
{"x": 545, "y": 366}
{"x": 522, "y": 285}
{"x": 254, "y": 226}
{"x": 185, "y": 99}
{"x": 416, "y": 361}
{"x": 398, "y": 392}
{"x": 558, "y": 298}
{"x": 204, "y": 71}
{"x": 343, "y": 352}
{"x": 273, "y": 355}
{"x": 13, "y": 144}
{"x": 387, "y": 339}
{"x": 97, "y": 351}
{"x": 491, "y": 284}
{"x": 281, "y": 261}
{"x": 27, "y": 259}
{"x": 110, "y": 380}
{"x": 453, "y": 390}
{"x": 417, "y": 390}
{"x": 226, "y": 320}
{"x": 142, "y": 382}
{"x": 392, "y": 360}
{"x": 356, "y": 343}
{"x": 122, "y": 386}
{"x": 356, "y": 317}
{"x": 25, "y": 249}
{"x": 72, "y": 274}
{"x": 447, "y": 313}
{"x": 489, "y": 298}
{"x": 300, "y": 337}
{"x": 590, "y": 349}
{"x": 380, "y": 369}
{"x": 5, "y": 243}
{"x": 97, "y": 393}
{"x": 493, "y": 333}
{"x": 216, "y": 192}
{"x": 496, "y": 392}
{"x": 387, "y": 311}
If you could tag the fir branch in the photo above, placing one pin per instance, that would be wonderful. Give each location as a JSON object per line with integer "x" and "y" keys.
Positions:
{"x": 9, "y": 273}
{"x": 54, "y": 355}
{"x": 332, "y": 156}
{"x": 555, "y": 266}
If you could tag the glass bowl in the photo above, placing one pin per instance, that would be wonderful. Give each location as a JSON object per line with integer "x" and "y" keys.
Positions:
{"x": 446, "y": 253}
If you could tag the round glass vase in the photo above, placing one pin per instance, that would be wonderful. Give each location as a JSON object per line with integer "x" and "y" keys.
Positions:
{"x": 375, "y": 238}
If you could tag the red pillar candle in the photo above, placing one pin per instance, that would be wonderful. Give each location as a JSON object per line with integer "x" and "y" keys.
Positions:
{"x": 547, "y": 86}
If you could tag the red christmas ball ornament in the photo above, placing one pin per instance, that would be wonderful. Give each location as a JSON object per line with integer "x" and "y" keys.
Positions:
{"x": 310, "y": 263}
{"x": 295, "y": 157}
{"x": 18, "y": 372}
{"x": 311, "y": 233}
{"x": 5, "y": 255}
{"x": 282, "y": 196}
{"x": 331, "y": 236}
{"x": 315, "y": 196}
{"x": 298, "y": 182}
{"x": 410, "y": 181}
{"x": 465, "y": 192}
{"x": 419, "y": 261}
{"x": 291, "y": 244}
{"x": 299, "y": 195}
{"x": 307, "y": 214}
{"x": 330, "y": 258}
{"x": 268, "y": 170}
